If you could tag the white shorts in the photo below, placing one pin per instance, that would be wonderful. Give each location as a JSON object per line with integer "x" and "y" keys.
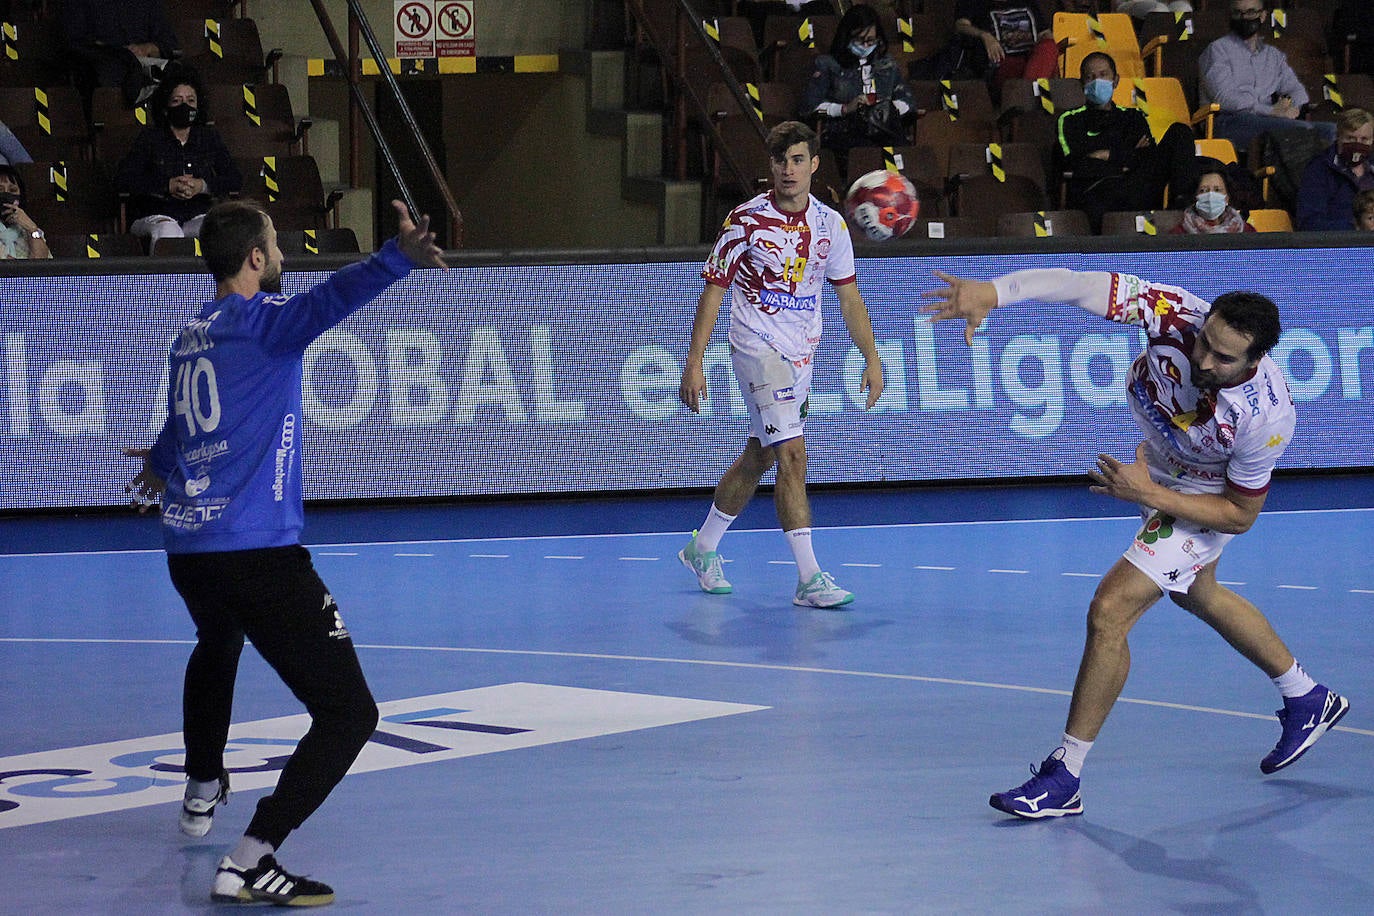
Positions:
{"x": 1171, "y": 551}
{"x": 775, "y": 390}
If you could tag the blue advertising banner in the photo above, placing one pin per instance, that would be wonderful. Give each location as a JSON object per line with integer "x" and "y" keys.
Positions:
{"x": 563, "y": 378}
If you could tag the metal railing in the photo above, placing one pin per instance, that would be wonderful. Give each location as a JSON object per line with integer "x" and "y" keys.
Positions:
{"x": 350, "y": 63}
{"x": 688, "y": 31}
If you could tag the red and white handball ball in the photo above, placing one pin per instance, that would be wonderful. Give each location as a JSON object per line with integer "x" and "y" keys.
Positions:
{"x": 883, "y": 205}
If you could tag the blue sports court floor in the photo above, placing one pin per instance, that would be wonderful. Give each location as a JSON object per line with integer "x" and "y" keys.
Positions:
{"x": 570, "y": 726}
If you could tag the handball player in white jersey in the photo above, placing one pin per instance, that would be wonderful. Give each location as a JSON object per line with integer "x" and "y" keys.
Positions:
{"x": 774, "y": 254}
{"x": 1216, "y": 415}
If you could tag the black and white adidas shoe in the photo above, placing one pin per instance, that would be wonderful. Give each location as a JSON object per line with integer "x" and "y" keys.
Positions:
{"x": 198, "y": 813}
{"x": 267, "y": 882}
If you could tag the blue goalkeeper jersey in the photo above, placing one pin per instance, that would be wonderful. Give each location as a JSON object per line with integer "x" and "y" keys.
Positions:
{"x": 230, "y": 448}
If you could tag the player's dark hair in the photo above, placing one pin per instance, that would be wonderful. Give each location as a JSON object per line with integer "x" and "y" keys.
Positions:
{"x": 788, "y": 134}
{"x": 231, "y": 231}
{"x": 1253, "y": 315}
{"x": 1096, "y": 55}
{"x": 858, "y": 19}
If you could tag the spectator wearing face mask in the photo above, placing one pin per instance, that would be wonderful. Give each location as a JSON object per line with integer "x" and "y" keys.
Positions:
{"x": 852, "y": 79}
{"x": 20, "y": 237}
{"x": 1112, "y": 155}
{"x": 176, "y": 167}
{"x": 1253, "y": 82}
{"x": 1211, "y": 210}
{"x": 1331, "y": 181}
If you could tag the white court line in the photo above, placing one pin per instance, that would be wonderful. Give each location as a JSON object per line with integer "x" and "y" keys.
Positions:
{"x": 782, "y": 562}
{"x": 1363, "y": 591}
{"x": 412, "y": 555}
{"x": 648, "y": 534}
{"x": 491, "y": 556}
{"x": 941, "y": 568}
{"x": 1302, "y": 588}
{"x": 713, "y": 663}
{"x": 556, "y": 556}
{"x": 640, "y": 559}
{"x": 1083, "y": 575}
{"x": 864, "y": 565}
{"x": 1016, "y": 572}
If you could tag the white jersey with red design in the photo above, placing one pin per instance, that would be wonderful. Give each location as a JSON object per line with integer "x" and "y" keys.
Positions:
{"x": 775, "y": 264}
{"x": 1200, "y": 439}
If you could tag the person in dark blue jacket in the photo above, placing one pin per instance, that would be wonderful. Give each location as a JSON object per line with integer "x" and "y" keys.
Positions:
{"x": 227, "y": 468}
{"x": 1326, "y": 194}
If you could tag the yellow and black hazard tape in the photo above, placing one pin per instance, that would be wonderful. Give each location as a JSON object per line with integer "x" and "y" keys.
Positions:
{"x": 444, "y": 66}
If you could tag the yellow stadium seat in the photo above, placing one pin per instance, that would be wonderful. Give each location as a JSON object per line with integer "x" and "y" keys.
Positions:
{"x": 1271, "y": 220}
{"x": 1218, "y": 148}
{"x": 1115, "y": 30}
{"x": 1162, "y": 100}
{"x": 1126, "y": 57}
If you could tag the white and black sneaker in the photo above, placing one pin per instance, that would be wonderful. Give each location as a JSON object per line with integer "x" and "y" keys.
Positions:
{"x": 267, "y": 882}
{"x": 198, "y": 813}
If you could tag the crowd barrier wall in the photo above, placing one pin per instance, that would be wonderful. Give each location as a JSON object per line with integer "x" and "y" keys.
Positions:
{"x": 515, "y": 373}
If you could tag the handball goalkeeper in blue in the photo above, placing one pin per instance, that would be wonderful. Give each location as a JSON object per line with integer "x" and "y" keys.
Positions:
{"x": 226, "y": 467}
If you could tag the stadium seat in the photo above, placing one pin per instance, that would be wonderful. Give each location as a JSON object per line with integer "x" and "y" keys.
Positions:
{"x": 257, "y": 119}
{"x": 1108, "y": 30}
{"x": 226, "y": 50}
{"x": 1127, "y": 58}
{"x": 985, "y": 196}
{"x": 317, "y": 241}
{"x": 98, "y": 245}
{"x": 114, "y": 126}
{"x": 953, "y": 227}
{"x": 176, "y": 248}
{"x": 1218, "y": 148}
{"x": 1044, "y": 224}
{"x": 70, "y": 197}
{"x": 1161, "y": 100}
{"x": 32, "y": 53}
{"x": 291, "y": 191}
{"x": 1140, "y": 222}
{"x": 1265, "y": 220}
{"x": 954, "y": 111}
{"x": 997, "y": 159}
{"x": 50, "y": 122}
{"x": 923, "y": 166}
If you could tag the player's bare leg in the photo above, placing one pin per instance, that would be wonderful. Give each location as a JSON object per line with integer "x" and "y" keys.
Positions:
{"x": 789, "y": 497}
{"x": 1238, "y": 621}
{"x": 738, "y": 484}
{"x": 1122, "y": 597}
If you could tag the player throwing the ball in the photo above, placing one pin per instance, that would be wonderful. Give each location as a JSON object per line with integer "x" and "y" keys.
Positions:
{"x": 1216, "y": 415}
{"x": 226, "y": 466}
{"x": 774, "y": 254}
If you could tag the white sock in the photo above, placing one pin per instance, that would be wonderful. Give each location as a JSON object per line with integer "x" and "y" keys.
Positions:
{"x": 713, "y": 529}
{"x": 250, "y": 851}
{"x": 1075, "y": 749}
{"x": 202, "y": 790}
{"x": 799, "y": 539}
{"x": 1294, "y": 682}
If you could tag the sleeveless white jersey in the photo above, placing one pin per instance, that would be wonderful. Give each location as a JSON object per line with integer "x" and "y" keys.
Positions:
{"x": 775, "y": 264}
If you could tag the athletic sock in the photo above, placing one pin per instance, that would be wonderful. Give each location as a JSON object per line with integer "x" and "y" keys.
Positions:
{"x": 250, "y": 851}
{"x": 202, "y": 790}
{"x": 1075, "y": 749}
{"x": 799, "y": 539}
{"x": 1294, "y": 682}
{"x": 713, "y": 529}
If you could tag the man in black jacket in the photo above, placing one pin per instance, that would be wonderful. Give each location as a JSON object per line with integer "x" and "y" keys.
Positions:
{"x": 1114, "y": 160}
